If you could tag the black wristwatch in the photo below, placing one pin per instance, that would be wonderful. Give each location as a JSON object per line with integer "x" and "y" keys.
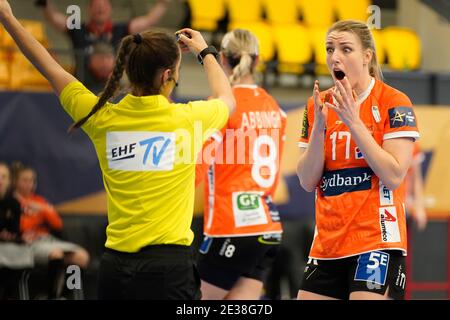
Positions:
{"x": 208, "y": 50}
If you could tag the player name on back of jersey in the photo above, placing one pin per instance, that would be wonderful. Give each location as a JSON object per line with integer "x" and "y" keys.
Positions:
{"x": 261, "y": 120}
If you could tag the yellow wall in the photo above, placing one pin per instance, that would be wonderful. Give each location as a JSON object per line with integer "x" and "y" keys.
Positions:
{"x": 434, "y": 124}
{"x": 433, "y": 30}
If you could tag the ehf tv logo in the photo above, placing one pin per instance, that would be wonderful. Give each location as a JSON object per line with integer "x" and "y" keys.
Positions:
{"x": 140, "y": 151}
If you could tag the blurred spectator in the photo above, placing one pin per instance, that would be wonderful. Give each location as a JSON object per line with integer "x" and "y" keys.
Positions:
{"x": 101, "y": 62}
{"x": 415, "y": 205}
{"x": 9, "y": 208}
{"x": 99, "y": 28}
{"x": 39, "y": 218}
{"x": 14, "y": 257}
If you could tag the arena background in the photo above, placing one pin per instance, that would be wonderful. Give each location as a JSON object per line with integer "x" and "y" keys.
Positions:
{"x": 33, "y": 130}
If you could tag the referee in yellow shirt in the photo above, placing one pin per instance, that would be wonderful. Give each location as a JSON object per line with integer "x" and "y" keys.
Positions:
{"x": 147, "y": 148}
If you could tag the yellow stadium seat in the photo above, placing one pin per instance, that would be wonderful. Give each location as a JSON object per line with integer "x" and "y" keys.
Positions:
{"x": 5, "y": 66}
{"x": 205, "y": 14}
{"x": 5, "y": 73}
{"x": 281, "y": 11}
{"x": 16, "y": 72}
{"x": 244, "y": 11}
{"x": 293, "y": 48}
{"x": 36, "y": 28}
{"x": 263, "y": 33}
{"x": 2, "y": 32}
{"x": 25, "y": 75}
{"x": 317, "y": 13}
{"x": 318, "y": 39}
{"x": 352, "y": 9}
{"x": 379, "y": 47}
{"x": 403, "y": 48}
{"x": 6, "y": 40}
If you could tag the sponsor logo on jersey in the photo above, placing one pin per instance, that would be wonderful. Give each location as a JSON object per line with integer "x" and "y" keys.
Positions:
{"x": 358, "y": 154}
{"x": 140, "y": 151}
{"x": 305, "y": 126}
{"x": 376, "y": 114}
{"x": 273, "y": 211}
{"x": 346, "y": 180}
{"x": 386, "y": 195}
{"x": 248, "y": 201}
{"x": 389, "y": 224}
{"x": 402, "y": 117}
{"x": 274, "y": 215}
{"x": 248, "y": 210}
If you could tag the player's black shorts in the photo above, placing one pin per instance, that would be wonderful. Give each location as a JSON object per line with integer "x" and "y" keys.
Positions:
{"x": 222, "y": 261}
{"x": 156, "y": 272}
{"x": 375, "y": 271}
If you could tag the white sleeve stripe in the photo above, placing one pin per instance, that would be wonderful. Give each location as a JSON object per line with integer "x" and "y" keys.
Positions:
{"x": 402, "y": 134}
{"x": 303, "y": 145}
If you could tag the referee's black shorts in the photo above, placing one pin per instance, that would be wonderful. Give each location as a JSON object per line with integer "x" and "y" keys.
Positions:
{"x": 159, "y": 272}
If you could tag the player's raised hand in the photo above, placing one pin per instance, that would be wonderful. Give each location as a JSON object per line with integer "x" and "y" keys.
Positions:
{"x": 320, "y": 110}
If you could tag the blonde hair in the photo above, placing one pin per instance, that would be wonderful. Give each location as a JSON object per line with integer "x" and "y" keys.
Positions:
{"x": 362, "y": 31}
{"x": 240, "y": 48}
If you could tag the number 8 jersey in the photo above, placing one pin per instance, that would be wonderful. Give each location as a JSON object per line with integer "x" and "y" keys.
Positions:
{"x": 241, "y": 167}
{"x": 355, "y": 212}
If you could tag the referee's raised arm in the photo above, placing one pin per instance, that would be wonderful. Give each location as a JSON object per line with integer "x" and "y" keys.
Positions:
{"x": 34, "y": 51}
{"x": 207, "y": 55}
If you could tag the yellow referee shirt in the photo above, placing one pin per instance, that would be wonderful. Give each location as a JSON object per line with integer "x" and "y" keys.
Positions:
{"x": 147, "y": 149}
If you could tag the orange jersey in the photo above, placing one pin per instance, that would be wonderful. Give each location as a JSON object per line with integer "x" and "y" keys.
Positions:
{"x": 40, "y": 221}
{"x": 243, "y": 171}
{"x": 355, "y": 212}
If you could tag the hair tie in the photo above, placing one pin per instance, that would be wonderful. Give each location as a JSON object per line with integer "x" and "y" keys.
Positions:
{"x": 137, "y": 38}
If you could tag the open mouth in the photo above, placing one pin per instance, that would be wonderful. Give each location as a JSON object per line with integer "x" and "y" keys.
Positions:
{"x": 338, "y": 74}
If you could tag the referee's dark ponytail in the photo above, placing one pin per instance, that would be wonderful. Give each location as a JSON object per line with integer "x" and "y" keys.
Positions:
{"x": 142, "y": 56}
